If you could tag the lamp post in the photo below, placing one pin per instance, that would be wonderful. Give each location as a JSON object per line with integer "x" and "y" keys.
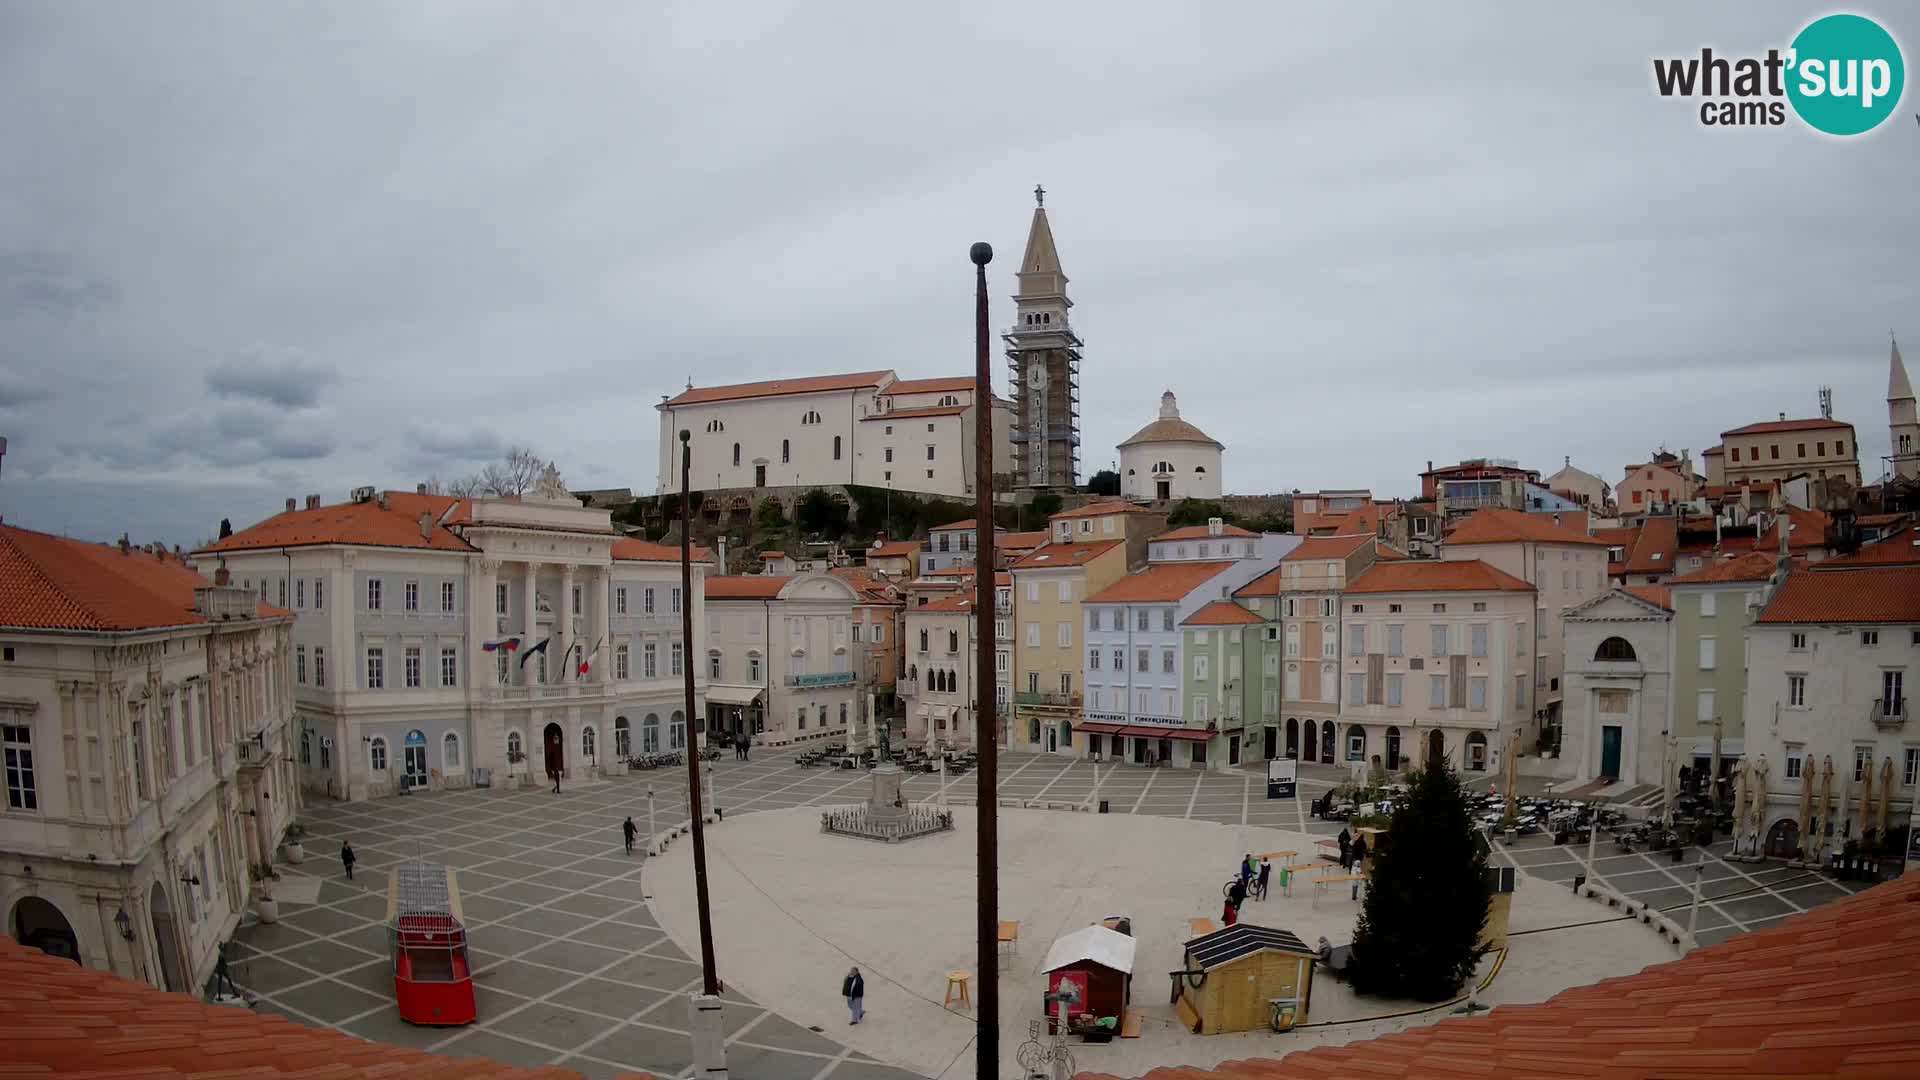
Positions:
{"x": 987, "y": 1017}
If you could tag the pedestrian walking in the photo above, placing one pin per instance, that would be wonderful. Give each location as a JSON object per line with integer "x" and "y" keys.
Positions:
{"x": 1247, "y": 868}
{"x": 221, "y": 976}
{"x": 746, "y": 746}
{"x": 1229, "y": 914}
{"x": 1346, "y": 849}
{"x": 1237, "y": 894}
{"x": 627, "y": 832}
{"x": 854, "y": 989}
{"x": 555, "y": 773}
{"x": 1360, "y": 854}
{"x": 1266, "y": 871}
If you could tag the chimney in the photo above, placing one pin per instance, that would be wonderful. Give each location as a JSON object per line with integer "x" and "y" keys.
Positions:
{"x": 383, "y": 500}
{"x": 1215, "y": 526}
{"x": 313, "y": 502}
{"x": 419, "y": 489}
{"x": 290, "y": 504}
{"x": 125, "y": 547}
{"x": 426, "y": 525}
{"x": 721, "y": 547}
{"x": 1567, "y": 461}
{"x": 1783, "y": 417}
{"x": 1785, "y": 522}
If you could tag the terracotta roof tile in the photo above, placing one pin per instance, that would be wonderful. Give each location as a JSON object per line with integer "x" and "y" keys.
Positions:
{"x": 894, "y": 549}
{"x": 1202, "y": 532}
{"x": 1221, "y": 613}
{"x": 62, "y": 1021}
{"x": 1389, "y": 553}
{"x": 52, "y": 582}
{"x": 1317, "y": 548}
{"x": 1098, "y": 509}
{"x": 956, "y": 384}
{"x": 1653, "y": 550}
{"x": 1432, "y": 575}
{"x": 959, "y": 603}
{"x": 1753, "y": 566}
{"x": 1048, "y": 556}
{"x": 1497, "y": 526}
{"x": 817, "y": 384}
{"x": 1158, "y": 583}
{"x": 1020, "y": 541}
{"x": 363, "y": 524}
{"x": 1899, "y": 548}
{"x": 1877, "y": 595}
{"x": 955, "y": 525}
{"x": 1171, "y": 429}
{"x": 1770, "y": 426}
{"x": 1267, "y": 584}
{"x": 1653, "y": 594}
{"x": 747, "y": 586}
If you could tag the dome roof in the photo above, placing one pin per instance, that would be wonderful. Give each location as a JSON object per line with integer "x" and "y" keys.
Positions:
{"x": 1169, "y": 428}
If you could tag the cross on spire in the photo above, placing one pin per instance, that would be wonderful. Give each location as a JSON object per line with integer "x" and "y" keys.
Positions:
{"x": 1039, "y": 195}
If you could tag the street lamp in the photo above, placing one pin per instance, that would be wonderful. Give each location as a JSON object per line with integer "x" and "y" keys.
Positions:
{"x": 124, "y": 924}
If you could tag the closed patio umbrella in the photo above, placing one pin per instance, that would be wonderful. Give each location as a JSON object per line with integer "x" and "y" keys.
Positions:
{"x": 1886, "y": 794}
{"x": 1807, "y": 781}
{"x": 1824, "y": 819}
{"x": 1758, "y": 798}
{"x": 1866, "y": 801}
{"x": 1739, "y": 802}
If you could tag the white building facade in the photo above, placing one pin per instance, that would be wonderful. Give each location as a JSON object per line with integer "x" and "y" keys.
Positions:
{"x": 1170, "y": 459}
{"x": 146, "y": 766}
{"x": 942, "y": 670}
{"x": 777, "y": 657}
{"x": 1619, "y": 681}
{"x": 440, "y": 643}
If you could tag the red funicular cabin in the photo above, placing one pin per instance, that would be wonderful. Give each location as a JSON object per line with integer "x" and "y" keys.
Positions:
{"x": 432, "y": 981}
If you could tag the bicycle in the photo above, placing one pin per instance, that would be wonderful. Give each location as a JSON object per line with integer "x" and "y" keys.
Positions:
{"x": 1033, "y": 1058}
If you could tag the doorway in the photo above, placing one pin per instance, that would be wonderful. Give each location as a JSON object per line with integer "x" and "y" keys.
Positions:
{"x": 1233, "y": 749}
{"x": 415, "y": 756}
{"x": 556, "y": 750}
{"x": 1293, "y": 739}
{"x": 1273, "y": 740}
{"x": 37, "y": 924}
{"x": 760, "y": 476}
{"x": 1610, "y": 752}
{"x": 164, "y": 939}
{"x": 1163, "y": 490}
{"x": 1436, "y": 746}
{"x": 1393, "y": 749}
{"x": 1139, "y": 751}
{"x": 1312, "y": 741}
{"x": 1326, "y": 742}
{"x": 1053, "y": 738}
{"x": 1783, "y": 840}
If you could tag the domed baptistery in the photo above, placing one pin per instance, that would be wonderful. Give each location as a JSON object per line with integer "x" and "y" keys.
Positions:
{"x": 1170, "y": 459}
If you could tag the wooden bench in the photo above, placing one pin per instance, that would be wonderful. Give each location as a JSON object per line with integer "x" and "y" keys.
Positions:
{"x": 1010, "y": 935}
{"x": 1189, "y": 1016}
{"x": 1130, "y": 1024}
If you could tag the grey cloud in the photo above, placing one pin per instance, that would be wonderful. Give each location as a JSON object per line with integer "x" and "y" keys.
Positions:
{"x": 298, "y": 448}
{"x": 38, "y": 283}
{"x": 16, "y": 390}
{"x": 289, "y": 383}
{"x": 457, "y": 444}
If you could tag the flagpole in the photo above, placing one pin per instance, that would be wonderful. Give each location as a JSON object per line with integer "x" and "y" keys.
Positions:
{"x": 710, "y": 979}
{"x": 986, "y": 723}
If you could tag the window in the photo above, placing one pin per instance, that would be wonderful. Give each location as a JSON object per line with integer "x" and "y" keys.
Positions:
{"x": 1033, "y": 635}
{"x": 1539, "y": 672}
{"x": 713, "y": 666}
{"x": 1892, "y": 691}
{"x": 1734, "y": 450}
{"x": 1796, "y": 691}
{"x": 786, "y": 451}
{"x": 1394, "y": 635}
{"x": 889, "y": 453}
{"x": 1356, "y": 687}
{"x": 1093, "y": 659}
{"x": 1520, "y": 638}
{"x": 373, "y": 594}
{"x": 300, "y": 592}
{"x": 1706, "y": 653}
{"x": 673, "y": 660}
{"x": 1477, "y": 637}
{"x": 500, "y": 598}
{"x": 1200, "y": 666}
{"x": 753, "y": 667}
{"x": 1292, "y": 608}
{"x": 1326, "y": 607}
{"x": 446, "y": 596}
{"x": 319, "y": 665}
{"x": 1477, "y": 693}
{"x": 410, "y": 658}
{"x": 1773, "y": 452}
{"x": 1436, "y": 691}
{"x": 929, "y": 447}
{"x": 1869, "y": 638}
{"x": 1093, "y": 618}
{"x": 1066, "y": 683}
{"x": 23, "y": 792}
{"x": 836, "y": 448}
{"x": 1439, "y": 640}
{"x": 1166, "y": 661}
{"x": 1063, "y": 632}
{"x": 1329, "y": 641}
{"x": 1862, "y": 761}
{"x": 377, "y": 754}
{"x": 300, "y": 664}
{"x": 1140, "y": 617}
{"x": 1705, "y": 712}
{"x": 450, "y": 751}
{"x": 283, "y": 592}
{"x": 577, "y": 608}
{"x": 1393, "y": 689}
{"x": 1912, "y": 773}
{"x": 449, "y": 666}
{"x": 1033, "y": 591}
{"x": 1439, "y": 609}
{"x": 1065, "y": 592}
{"x": 502, "y": 671}
{"x": 646, "y": 601}
{"x": 1358, "y": 608}
{"x": 620, "y": 600}
{"x": 1480, "y": 605}
{"x": 622, "y": 662}
{"x": 412, "y": 596}
{"x": 1166, "y": 619}
{"x": 1293, "y": 641}
{"x": 1615, "y": 648}
{"x": 376, "y": 669}
{"x": 1707, "y": 604}
{"x": 1519, "y": 690}
{"x": 1357, "y": 640}
{"x": 1356, "y": 744}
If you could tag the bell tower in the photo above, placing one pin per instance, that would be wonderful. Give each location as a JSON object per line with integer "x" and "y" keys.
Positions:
{"x": 1043, "y": 358}
{"x": 1903, "y": 427}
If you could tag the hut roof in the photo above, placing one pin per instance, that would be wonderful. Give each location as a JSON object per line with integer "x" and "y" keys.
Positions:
{"x": 1230, "y": 943}
{"x": 1108, "y": 948}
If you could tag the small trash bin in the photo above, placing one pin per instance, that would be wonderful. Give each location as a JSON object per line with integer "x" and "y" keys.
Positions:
{"x": 1103, "y": 806}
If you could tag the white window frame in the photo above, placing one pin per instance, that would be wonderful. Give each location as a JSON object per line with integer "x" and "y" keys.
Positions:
{"x": 449, "y": 666}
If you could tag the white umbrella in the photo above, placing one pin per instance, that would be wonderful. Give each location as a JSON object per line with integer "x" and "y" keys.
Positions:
{"x": 1739, "y": 801}
{"x": 1807, "y": 781}
{"x": 1759, "y": 797}
{"x": 1866, "y": 801}
{"x": 1825, "y": 819}
{"x": 1886, "y": 794}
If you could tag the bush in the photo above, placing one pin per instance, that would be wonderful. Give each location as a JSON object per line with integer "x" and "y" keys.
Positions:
{"x": 1196, "y": 512}
{"x": 1104, "y": 482}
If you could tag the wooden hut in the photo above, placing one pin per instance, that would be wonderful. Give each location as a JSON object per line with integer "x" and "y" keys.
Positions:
{"x": 1096, "y": 962}
{"x": 1234, "y": 976}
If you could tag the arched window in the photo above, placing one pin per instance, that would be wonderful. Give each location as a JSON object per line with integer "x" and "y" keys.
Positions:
{"x": 1162, "y": 467}
{"x": 1356, "y": 743}
{"x": 1615, "y": 648}
{"x": 450, "y": 751}
{"x": 836, "y": 448}
{"x": 622, "y": 737}
{"x": 377, "y": 754}
{"x": 1200, "y": 468}
{"x": 677, "y": 731}
{"x": 786, "y": 451}
{"x": 650, "y": 734}
{"x": 516, "y": 749}
{"x": 953, "y": 641}
{"x": 1033, "y": 730}
{"x": 1477, "y": 751}
{"x": 306, "y": 747}
{"x": 923, "y": 639}
{"x": 736, "y": 455}
{"x": 913, "y": 673}
{"x": 586, "y": 743}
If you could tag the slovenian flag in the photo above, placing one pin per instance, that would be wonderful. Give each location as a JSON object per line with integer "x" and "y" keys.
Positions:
{"x": 508, "y": 644}
{"x": 540, "y": 648}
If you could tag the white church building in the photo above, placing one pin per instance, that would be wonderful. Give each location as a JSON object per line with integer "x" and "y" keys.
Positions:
{"x": 1170, "y": 459}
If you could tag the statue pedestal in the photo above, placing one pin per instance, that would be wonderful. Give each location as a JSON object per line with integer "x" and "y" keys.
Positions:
{"x": 886, "y": 803}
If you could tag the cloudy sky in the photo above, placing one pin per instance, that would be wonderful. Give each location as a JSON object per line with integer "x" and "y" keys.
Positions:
{"x": 252, "y": 250}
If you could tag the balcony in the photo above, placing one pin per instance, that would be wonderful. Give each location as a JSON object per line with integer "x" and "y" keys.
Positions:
{"x": 1889, "y": 714}
{"x": 825, "y": 678}
{"x": 1053, "y": 701}
{"x": 254, "y": 751}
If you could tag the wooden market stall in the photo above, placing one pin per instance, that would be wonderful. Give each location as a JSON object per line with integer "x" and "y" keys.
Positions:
{"x": 432, "y": 980}
{"x": 1245, "y": 977}
{"x": 1096, "y": 964}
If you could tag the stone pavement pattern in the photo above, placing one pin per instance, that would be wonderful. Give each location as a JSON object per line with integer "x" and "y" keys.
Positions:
{"x": 572, "y": 967}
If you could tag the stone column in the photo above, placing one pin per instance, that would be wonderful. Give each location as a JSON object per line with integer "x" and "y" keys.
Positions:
{"x": 602, "y": 618}
{"x": 531, "y": 615}
{"x": 563, "y": 628}
{"x": 482, "y": 625}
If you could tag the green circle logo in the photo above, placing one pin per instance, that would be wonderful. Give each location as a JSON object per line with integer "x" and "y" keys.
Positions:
{"x": 1845, "y": 74}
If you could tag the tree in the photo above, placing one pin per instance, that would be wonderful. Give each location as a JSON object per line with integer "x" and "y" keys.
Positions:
{"x": 1269, "y": 523}
{"x": 768, "y": 514}
{"x": 515, "y": 475}
{"x": 1044, "y": 505}
{"x": 1104, "y": 482}
{"x": 1196, "y": 512}
{"x": 226, "y": 528}
{"x": 1427, "y": 897}
{"x": 818, "y": 513}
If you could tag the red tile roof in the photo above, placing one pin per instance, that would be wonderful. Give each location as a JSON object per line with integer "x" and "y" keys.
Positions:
{"x": 954, "y": 385}
{"x": 967, "y": 524}
{"x": 1770, "y": 426}
{"x": 1713, "y": 451}
{"x": 51, "y": 582}
{"x": 1159, "y": 583}
{"x": 914, "y": 414}
{"x": 1898, "y": 548}
{"x": 1653, "y": 550}
{"x": 1809, "y": 531}
{"x": 1267, "y": 584}
{"x": 1101, "y": 508}
{"x": 747, "y": 586}
{"x": 894, "y": 549}
{"x": 1202, "y": 532}
{"x": 1888, "y": 594}
{"x": 817, "y": 384}
{"x": 61, "y": 1020}
{"x": 1221, "y": 613}
{"x": 959, "y": 603}
{"x": 1497, "y": 526}
{"x": 1829, "y": 993}
{"x": 1653, "y": 594}
{"x": 362, "y": 524}
{"x": 1048, "y": 556}
{"x": 1389, "y": 553}
{"x": 1317, "y": 548}
{"x": 1020, "y": 541}
{"x": 1432, "y": 575}
{"x": 1753, "y": 566}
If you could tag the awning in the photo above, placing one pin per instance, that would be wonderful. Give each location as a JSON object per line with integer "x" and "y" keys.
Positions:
{"x": 722, "y": 694}
{"x": 1184, "y": 734}
{"x": 1091, "y": 728}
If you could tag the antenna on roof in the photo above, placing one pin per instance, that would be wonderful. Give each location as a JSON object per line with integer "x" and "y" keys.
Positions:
{"x": 1826, "y": 403}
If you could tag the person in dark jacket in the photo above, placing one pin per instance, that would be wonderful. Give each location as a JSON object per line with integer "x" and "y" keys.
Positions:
{"x": 1266, "y": 871}
{"x": 854, "y": 989}
{"x": 1237, "y": 895}
{"x": 346, "y": 857}
{"x": 628, "y": 830}
{"x": 1359, "y": 862}
{"x": 1346, "y": 849}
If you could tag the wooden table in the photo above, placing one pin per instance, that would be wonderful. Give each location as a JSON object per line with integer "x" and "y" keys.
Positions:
{"x": 1320, "y": 883}
{"x": 1010, "y": 934}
